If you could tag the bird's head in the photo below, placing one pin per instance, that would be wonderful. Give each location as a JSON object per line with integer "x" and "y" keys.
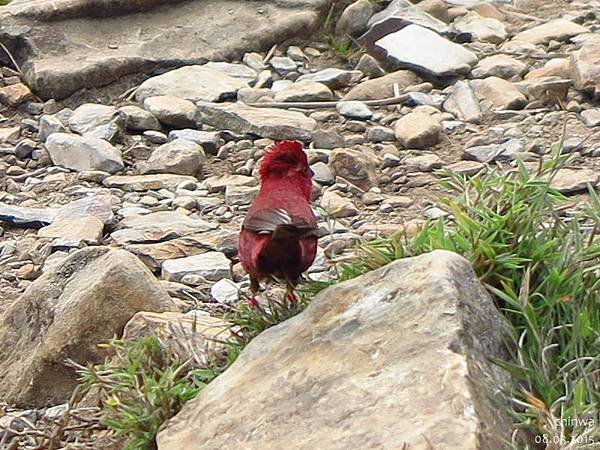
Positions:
{"x": 287, "y": 160}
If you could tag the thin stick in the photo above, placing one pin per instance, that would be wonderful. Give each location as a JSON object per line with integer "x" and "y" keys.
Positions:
{"x": 11, "y": 58}
{"x": 317, "y": 105}
{"x": 269, "y": 54}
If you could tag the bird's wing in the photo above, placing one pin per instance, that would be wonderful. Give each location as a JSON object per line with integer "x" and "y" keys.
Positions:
{"x": 279, "y": 223}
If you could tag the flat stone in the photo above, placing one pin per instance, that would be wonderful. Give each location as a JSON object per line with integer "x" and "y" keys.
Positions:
{"x": 304, "y": 91}
{"x": 282, "y": 65}
{"x": 381, "y": 134}
{"x": 85, "y": 229}
{"x": 423, "y": 163}
{"x": 172, "y": 36}
{"x": 172, "y": 111}
{"x": 192, "y": 83}
{"x": 554, "y": 30}
{"x": 180, "y": 156}
{"x": 418, "y": 130}
{"x": 322, "y": 174}
{"x": 83, "y": 153}
{"x": 501, "y": 93}
{"x": 463, "y": 103}
{"x": 218, "y": 183}
{"x": 87, "y": 298}
{"x": 369, "y": 66}
{"x": 501, "y": 66}
{"x": 271, "y": 123}
{"x": 22, "y": 216}
{"x": 426, "y": 52}
{"x": 213, "y": 266}
{"x": 158, "y": 226}
{"x": 154, "y": 254}
{"x": 234, "y": 70}
{"x": 332, "y": 77}
{"x": 572, "y": 181}
{"x": 450, "y": 331}
{"x": 327, "y": 139}
{"x": 147, "y": 182}
{"x": 240, "y": 195}
{"x": 466, "y": 168}
{"x": 585, "y": 67}
{"x": 556, "y": 67}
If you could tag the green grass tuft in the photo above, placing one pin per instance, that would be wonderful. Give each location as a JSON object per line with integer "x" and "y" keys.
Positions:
{"x": 541, "y": 268}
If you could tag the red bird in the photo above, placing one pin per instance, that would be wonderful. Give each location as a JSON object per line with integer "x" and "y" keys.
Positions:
{"x": 279, "y": 235}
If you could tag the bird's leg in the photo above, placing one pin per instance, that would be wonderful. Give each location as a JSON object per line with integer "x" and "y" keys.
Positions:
{"x": 289, "y": 293}
{"x": 254, "y": 286}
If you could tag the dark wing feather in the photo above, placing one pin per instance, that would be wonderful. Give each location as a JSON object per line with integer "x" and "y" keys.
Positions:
{"x": 279, "y": 223}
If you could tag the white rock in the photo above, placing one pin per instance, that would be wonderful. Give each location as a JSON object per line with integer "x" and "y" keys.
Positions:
{"x": 83, "y": 153}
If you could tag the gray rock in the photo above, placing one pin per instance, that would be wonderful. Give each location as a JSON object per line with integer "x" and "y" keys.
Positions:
{"x": 359, "y": 167}
{"x": 355, "y": 18}
{"x": 180, "y": 156}
{"x": 381, "y": 134}
{"x": 212, "y": 266}
{"x": 264, "y": 122}
{"x": 332, "y": 77}
{"x": 418, "y": 130}
{"x": 254, "y": 61}
{"x": 218, "y": 183}
{"x": 83, "y": 153}
{"x": 354, "y": 109}
{"x": 327, "y": 139}
{"x": 49, "y": 125}
{"x": 451, "y": 331}
{"x": 423, "y": 163}
{"x": 425, "y": 51}
{"x": 584, "y": 67}
{"x": 322, "y": 174}
{"x": 397, "y": 15}
{"x": 9, "y": 135}
{"x": 234, "y": 70}
{"x": 501, "y": 93}
{"x": 484, "y": 29}
{"x": 240, "y": 195}
{"x": 192, "y": 83}
{"x": 506, "y": 150}
{"x": 138, "y": 119}
{"x": 155, "y": 137}
{"x": 172, "y": 111}
{"x": 101, "y": 289}
{"x": 382, "y": 87}
{"x": 591, "y": 117}
{"x": 463, "y": 103}
{"x": 24, "y": 148}
{"x": 369, "y": 66}
{"x": 501, "y": 66}
{"x": 208, "y": 140}
{"x": 114, "y": 48}
{"x": 338, "y": 206}
{"x": 282, "y": 65}
{"x": 225, "y": 291}
{"x": 89, "y": 116}
{"x": 157, "y": 227}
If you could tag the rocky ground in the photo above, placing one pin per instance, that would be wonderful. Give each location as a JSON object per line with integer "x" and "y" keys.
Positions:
{"x": 167, "y": 169}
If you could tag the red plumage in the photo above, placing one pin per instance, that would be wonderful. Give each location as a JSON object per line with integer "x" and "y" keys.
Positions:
{"x": 278, "y": 238}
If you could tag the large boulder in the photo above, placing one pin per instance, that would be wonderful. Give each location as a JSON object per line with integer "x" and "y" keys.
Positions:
{"x": 66, "y": 45}
{"x": 399, "y": 355}
{"x": 85, "y": 300}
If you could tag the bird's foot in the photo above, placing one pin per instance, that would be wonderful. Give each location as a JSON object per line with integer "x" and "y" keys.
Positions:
{"x": 292, "y": 297}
